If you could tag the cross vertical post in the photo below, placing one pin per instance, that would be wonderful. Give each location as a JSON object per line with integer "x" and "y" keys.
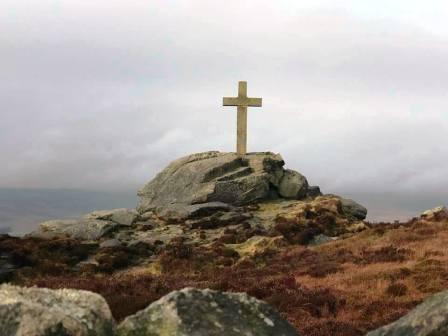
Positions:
{"x": 242, "y": 102}
{"x": 241, "y": 123}
{"x": 241, "y": 132}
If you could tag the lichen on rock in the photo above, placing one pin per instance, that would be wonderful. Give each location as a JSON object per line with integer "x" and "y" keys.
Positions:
{"x": 195, "y": 312}
{"x": 46, "y": 312}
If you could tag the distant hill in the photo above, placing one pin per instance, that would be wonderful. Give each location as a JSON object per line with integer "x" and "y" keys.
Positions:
{"x": 390, "y": 206}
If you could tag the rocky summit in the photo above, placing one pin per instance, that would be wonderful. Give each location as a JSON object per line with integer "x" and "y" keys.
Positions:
{"x": 223, "y": 177}
{"x": 208, "y": 197}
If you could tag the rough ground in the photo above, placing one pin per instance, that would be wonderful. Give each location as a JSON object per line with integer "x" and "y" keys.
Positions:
{"x": 348, "y": 286}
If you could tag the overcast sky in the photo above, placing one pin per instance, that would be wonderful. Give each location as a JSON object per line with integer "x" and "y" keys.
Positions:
{"x": 102, "y": 94}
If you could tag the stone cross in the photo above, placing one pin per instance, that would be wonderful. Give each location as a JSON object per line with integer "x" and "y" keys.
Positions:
{"x": 242, "y": 102}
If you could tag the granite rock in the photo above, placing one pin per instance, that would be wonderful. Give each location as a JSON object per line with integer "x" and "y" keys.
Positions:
{"x": 45, "y": 312}
{"x": 353, "y": 209}
{"x": 219, "y": 177}
{"x": 293, "y": 185}
{"x": 82, "y": 229}
{"x": 195, "y": 312}
{"x": 120, "y": 216}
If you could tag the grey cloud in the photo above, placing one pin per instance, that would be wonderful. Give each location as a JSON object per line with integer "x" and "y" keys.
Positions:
{"x": 102, "y": 97}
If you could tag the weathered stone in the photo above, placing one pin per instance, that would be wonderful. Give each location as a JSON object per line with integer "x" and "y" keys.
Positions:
{"x": 119, "y": 216}
{"x": 213, "y": 176}
{"x": 124, "y": 236}
{"x": 139, "y": 244}
{"x": 353, "y": 209}
{"x": 145, "y": 226}
{"x": 179, "y": 212}
{"x": 83, "y": 229}
{"x": 194, "y": 312}
{"x": 428, "y": 319}
{"x": 436, "y": 214}
{"x": 293, "y": 185}
{"x": 162, "y": 234}
{"x": 110, "y": 243}
{"x": 218, "y": 219}
{"x": 147, "y": 216}
{"x": 313, "y": 191}
{"x": 46, "y": 312}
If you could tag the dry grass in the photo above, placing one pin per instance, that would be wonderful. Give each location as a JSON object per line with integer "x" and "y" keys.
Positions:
{"x": 398, "y": 267}
{"x": 345, "y": 288}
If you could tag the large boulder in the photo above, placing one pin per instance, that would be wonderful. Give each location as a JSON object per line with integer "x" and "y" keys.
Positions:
{"x": 46, "y": 312}
{"x": 428, "y": 319}
{"x": 194, "y": 312}
{"x": 293, "y": 185}
{"x": 220, "y": 177}
{"x": 82, "y": 229}
{"x": 353, "y": 209}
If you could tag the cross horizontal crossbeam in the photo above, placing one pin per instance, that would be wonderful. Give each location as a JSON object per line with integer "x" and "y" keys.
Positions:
{"x": 241, "y": 101}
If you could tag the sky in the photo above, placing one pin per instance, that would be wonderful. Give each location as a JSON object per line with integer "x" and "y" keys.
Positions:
{"x": 102, "y": 94}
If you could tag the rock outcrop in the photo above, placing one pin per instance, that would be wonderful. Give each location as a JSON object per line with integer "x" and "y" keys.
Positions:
{"x": 428, "y": 319}
{"x": 82, "y": 228}
{"x": 92, "y": 226}
{"x": 211, "y": 191}
{"x": 436, "y": 214}
{"x": 199, "y": 201}
{"x": 353, "y": 209}
{"x": 222, "y": 177}
{"x": 119, "y": 216}
{"x": 194, "y": 312}
{"x": 45, "y": 312}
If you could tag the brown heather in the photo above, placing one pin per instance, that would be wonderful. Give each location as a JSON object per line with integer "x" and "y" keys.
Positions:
{"x": 344, "y": 288}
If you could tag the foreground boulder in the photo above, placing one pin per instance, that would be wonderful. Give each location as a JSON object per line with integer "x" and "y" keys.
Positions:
{"x": 222, "y": 177}
{"x": 206, "y": 312}
{"x": 46, "y": 312}
{"x": 428, "y": 319}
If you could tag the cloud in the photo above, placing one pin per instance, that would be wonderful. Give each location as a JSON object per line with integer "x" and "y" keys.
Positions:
{"x": 102, "y": 95}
